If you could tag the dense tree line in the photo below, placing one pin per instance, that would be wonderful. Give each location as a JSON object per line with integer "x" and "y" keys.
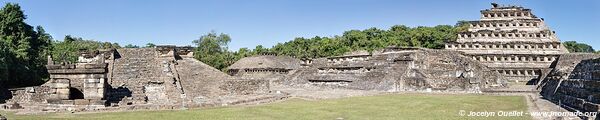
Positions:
{"x": 148, "y": 45}
{"x": 212, "y": 48}
{"x": 573, "y": 46}
{"x": 369, "y": 40}
{"x": 22, "y": 48}
{"x": 131, "y": 46}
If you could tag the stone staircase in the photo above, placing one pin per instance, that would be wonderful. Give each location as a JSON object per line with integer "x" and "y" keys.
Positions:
{"x": 199, "y": 80}
{"x": 133, "y": 69}
{"x": 142, "y": 77}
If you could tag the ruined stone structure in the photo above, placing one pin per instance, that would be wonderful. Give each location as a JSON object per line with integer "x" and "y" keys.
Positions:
{"x": 574, "y": 82}
{"x": 165, "y": 77}
{"x": 509, "y": 43}
{"x": 263, "y": 64}
{"x": 266, "y": 67}
{"x": 398, "y": 69}
{"x": 70, "y": 85}
{"x": 82, "y": 83}
{"x": 512, "y": 41}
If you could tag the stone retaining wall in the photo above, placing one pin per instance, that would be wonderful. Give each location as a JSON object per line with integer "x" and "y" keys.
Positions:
{"x": 245, "y": 87}
{"x": 573, "y": 83}
{"x": 400, "y": 69}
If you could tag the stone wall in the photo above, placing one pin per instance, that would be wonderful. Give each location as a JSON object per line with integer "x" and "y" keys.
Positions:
{"x": 135, "y": 78}
{"x": 450, "y": 70}
{"x": 85, "y": 79}
{"x": 30, "y": 95}
{"x": 396, "y": 69}
{"x": 167, "y": 76}
{"x": 199, "y": 81}
{"x": 144, "y": 76}
{"x": 574, "y": 82}
{"x": 245, "y": 86}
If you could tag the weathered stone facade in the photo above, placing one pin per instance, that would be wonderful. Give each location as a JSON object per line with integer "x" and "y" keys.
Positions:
{"x": 82, "y": 83}
{"x": 509, "y": 43}
{"x": 165, "y": 77}
{"x": 71, "y": 85}
{"x": 270, "y": 68}
{"x": 397, "y": 69}
{"x": 512, "y": 41}
{"x": 574, "y": 83}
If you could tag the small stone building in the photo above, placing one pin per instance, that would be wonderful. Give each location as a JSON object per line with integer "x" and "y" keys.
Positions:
{"x": 71, "y": 85}
{"x": 81, "y": 83}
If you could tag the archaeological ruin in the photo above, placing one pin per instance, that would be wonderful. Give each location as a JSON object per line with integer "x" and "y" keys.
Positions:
{"x": 574, "y": 82}
{"x": 165, "y": 77}
{"x": 266, "y": 67}
{"x": 509, "y": 47}
{"x": 399, "y": 69}
{"x": 512, "y": 41}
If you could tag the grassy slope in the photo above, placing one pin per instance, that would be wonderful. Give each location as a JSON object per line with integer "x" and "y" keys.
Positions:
{"x": 397, "y": 106}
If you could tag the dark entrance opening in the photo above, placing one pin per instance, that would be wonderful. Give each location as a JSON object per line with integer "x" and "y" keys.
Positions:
{"x": 532, "y": 82}
{"x": 75, "y": 93}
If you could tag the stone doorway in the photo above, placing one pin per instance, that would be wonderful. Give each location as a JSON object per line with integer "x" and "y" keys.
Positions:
{"x": 75, "y": 94}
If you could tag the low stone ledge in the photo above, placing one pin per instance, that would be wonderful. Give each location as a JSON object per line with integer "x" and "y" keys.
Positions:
{"x": 76, "y": 71}
{"x": 82, "y": 76}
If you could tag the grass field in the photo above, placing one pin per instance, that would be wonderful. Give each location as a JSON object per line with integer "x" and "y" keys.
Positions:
{"x": 395, "y": 106}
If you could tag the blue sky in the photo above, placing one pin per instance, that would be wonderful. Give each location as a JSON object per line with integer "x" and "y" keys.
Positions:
{"x": 267, "y": 22}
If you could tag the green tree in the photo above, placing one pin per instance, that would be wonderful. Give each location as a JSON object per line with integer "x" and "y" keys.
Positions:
{"x": 150, "y": 45}
{"x": 68, "y": 49}
{"x": 259, "y": 49}
{"x": 370, "y": 39}
{"x": 212, "y": 50}
{"x": 242, "y": 52}
{"x": 131, "y": 46}
{"x": 573, "y": 46}
{"x": 23, "y": 49}
{"x": 108, "y": 45}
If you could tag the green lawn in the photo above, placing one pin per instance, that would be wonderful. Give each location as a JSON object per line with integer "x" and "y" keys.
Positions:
{"x": 395, "y": 106}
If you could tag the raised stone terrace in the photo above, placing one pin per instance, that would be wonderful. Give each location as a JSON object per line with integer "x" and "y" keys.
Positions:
{"x": 399, "y": 69}
{"x": 574, "y": 83}
{"x": 512, "y": 41}
{"x": 265, "y": 67}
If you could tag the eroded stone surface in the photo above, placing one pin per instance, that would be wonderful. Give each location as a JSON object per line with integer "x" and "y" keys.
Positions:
{"x": 512, "y": 41}
{"x": 142, "y": 78}
{"x": 509, "y": 43}
{"x": 399, "y": 69}
{"x": 573, "y": 83}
